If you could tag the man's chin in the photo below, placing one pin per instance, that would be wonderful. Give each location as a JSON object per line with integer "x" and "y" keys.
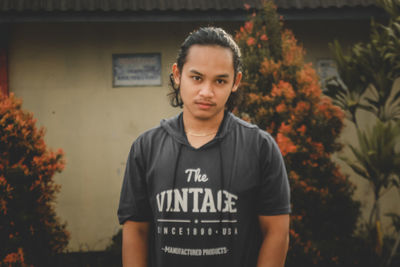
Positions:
{"x": 206, "y": 115}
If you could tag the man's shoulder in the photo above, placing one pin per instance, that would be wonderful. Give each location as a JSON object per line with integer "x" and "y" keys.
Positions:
{"x": 242, "y": 123}
{"x": 150, "y": 133}
{"x": 248, "y": 128}
{"x": 155, "y": 134}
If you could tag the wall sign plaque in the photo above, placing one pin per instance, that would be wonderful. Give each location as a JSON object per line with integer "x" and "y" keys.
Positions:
{"x": 136, "y": 70}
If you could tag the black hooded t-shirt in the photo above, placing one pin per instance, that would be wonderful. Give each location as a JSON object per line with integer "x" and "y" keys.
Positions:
{"x": 203, "y": 204}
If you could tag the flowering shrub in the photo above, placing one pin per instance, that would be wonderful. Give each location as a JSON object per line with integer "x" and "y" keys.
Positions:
{"x": 30, "y": 232}
{"x": 282, "y": 95}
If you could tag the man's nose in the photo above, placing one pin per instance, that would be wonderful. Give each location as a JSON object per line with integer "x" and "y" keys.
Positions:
{"x": 206, "y": 90}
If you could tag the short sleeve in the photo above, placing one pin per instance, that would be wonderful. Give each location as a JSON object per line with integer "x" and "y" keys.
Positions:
{"x": 134, "y": 202}
{"x": 274, "y": 192}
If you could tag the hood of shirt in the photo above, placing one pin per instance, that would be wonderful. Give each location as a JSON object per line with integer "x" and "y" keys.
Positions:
{"x": 175, "y": 128}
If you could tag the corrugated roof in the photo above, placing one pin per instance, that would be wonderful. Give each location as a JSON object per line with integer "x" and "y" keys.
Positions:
{"x": 300, "y": 4}
{"x": 174, "y": 5}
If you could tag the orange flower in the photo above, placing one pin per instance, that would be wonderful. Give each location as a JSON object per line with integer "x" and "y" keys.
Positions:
{"x": 15, "y": 258}
{"x": 268, "y": 66}
{"x": 293, "y": 233}
{"x": 302, "y": 129}
{"x": 292, "y": 53}
{"x": 281, "y": 108}
{"x": 302, "y": 107}
{"x": 249, "y": 26}
{"x": 3, "y": 206}
{"x": 319, "y": 147}
{"x": 247, "y": 6}
{"x": 338, "y": 112}
{"x": 251, "y": 41}
{"x": 9, "y": 127}
{"x": 283, "y": 89}
{"x": 264, "y": 37}
{"x": 285, "y": 128}
{"x": 329, "y": 110}
{"x": 294, "y": 175}
{"x": 285, "y": 144}
{"x": 308, "y": 80}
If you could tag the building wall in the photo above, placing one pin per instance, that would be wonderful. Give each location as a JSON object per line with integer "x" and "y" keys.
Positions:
{"x": 63, "y": 73}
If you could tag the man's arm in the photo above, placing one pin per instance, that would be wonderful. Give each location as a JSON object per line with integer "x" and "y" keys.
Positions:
{"x": 135, "y": 238}
{"x": 275, "y": 231}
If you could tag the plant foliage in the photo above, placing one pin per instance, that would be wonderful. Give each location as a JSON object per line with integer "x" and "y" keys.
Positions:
{"x": 368, "y": 75}
{"x": 369, "y": 71}
{"x": 30, "y": 232}
{"x": 281, "y": 94}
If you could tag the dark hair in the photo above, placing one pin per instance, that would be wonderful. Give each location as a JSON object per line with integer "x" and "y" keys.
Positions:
{"x": 205, "y": 36}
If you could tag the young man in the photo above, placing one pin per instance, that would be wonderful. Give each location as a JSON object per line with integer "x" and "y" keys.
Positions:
{"x": 205, "y": 188}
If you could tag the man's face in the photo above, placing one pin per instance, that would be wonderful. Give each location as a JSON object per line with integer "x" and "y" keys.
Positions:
{"x": 206, "y": 81}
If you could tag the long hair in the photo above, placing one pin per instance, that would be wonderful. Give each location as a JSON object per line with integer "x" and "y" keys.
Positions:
{"x": 205, "y": 36}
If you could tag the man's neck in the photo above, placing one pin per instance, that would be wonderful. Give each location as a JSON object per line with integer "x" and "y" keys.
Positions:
{"x": 198, "y": 126}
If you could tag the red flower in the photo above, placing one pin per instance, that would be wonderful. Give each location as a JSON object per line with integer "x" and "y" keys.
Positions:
{"x": 251, "y": 41}
{"x": 302, "y": 107}
{"x": 249, "y": 26}
{"x": 302, "y": 129}
{"x": 264, "y": 37}
{"x": 283, "y": 89}
{"x": 281, "y": 108}
{"x": 285, "y": 144}
{"x": 15, "y": 258}
{"x": 285, "y": 128}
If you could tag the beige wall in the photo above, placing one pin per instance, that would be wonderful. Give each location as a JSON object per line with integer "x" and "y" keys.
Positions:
{"x": 315, "y": 35}
{"x": 63, "y": 73}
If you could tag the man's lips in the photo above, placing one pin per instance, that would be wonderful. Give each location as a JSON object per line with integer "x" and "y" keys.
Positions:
{"x": 204, "y": 104}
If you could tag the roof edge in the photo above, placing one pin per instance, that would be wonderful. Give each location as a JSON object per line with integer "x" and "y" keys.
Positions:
{"x": 194, "y": 15}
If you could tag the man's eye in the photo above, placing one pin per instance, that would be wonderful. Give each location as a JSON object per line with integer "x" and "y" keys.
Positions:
{"x": 196, "y": 78}
{"x": 221, "y": 81}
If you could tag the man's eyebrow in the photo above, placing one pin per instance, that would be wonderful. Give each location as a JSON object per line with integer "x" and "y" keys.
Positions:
{"x": 196, "y": 72}
{"x": 226, "y": 75}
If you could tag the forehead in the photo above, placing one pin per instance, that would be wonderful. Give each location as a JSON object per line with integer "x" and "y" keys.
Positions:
{"x": 210, "y": 57}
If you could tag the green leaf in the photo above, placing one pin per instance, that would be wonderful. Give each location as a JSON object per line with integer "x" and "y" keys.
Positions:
{"x": 359, "y": 170}
{"x": 372, "y": 102}
{"x": 395, "y": 182}
{"x": 395, "y": 98}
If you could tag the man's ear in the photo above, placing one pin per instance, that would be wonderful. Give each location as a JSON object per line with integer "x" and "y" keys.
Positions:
{"x": 237, "y": 81}
{"x": 176, "y": 74}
